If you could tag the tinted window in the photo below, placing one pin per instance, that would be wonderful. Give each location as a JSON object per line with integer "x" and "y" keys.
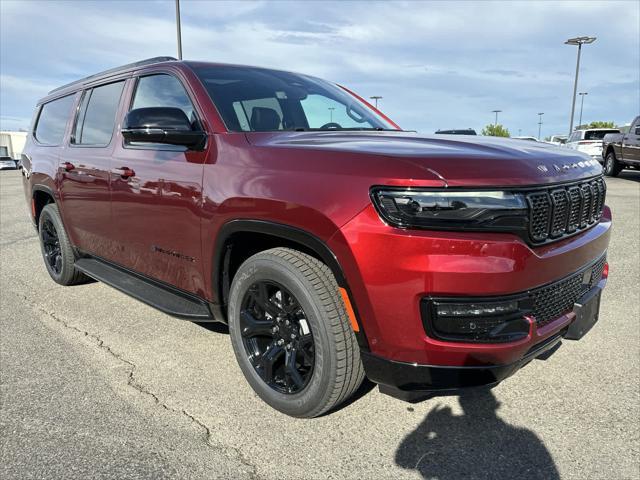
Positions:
{"x": 598, "y": 134}
{"x": 97, "y": 115}
{"x": 163, "y": 91}
{"x": 53, "y": 121}
{"x": 256, "y": 99}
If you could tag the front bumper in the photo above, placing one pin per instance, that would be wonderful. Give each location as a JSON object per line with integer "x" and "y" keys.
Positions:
{"x": 414, "y": 382}
{"x": 389, "y": 272}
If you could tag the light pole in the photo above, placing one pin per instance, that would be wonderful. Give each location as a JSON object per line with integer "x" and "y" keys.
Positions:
{"x": 331, "y": 109}
{"x": 579, "y": 41}
{"x": 539, "y": 124}
{"x": 496, "y": 112}
{"x": 375, "y": 98}
{"x": 178, "y": 32}
{"x": 582, "y": 94}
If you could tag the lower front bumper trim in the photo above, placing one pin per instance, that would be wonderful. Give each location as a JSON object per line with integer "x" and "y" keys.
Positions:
{"x": 414, "y": 382}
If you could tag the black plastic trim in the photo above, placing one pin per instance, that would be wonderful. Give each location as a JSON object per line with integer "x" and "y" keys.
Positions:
{"x": 159, "y": 295}
{"x": 410, "y": 381}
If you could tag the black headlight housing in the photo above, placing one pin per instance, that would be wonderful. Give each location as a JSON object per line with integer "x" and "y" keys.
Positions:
{"x": 452, "y": 209}
{"x": 481, "y": 320}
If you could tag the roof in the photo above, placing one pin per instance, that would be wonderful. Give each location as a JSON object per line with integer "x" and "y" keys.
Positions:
{"x": 114, "y": 71}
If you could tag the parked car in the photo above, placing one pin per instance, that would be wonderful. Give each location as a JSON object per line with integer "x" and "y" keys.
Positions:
{"x": 589, "y": 141}
{"x": 466, "y": 131}
{"x": 8, "y": 163}
{"x": 531, "y": 139}
{"x": 622, "y": 150}
{"x": 333, "y": 246}
{"x": 558, "y": 139}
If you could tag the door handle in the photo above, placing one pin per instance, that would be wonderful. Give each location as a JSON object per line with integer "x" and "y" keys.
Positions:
{"x": 68, "y": 166}
{"x": 124, "y": 172}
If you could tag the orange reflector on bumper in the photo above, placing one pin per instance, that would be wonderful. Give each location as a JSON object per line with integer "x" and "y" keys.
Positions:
{"x": 350, "y": 312}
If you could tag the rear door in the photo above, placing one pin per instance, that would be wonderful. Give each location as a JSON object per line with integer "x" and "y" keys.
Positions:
{"x": 157, "y": 205}
{"x": 85, "y": 163}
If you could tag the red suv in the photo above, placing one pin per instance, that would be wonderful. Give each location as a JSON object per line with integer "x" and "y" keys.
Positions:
{"x": 333, "y": 243}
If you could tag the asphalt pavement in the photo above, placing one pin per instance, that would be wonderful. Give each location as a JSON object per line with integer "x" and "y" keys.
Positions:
{"x": 94, "y": 384}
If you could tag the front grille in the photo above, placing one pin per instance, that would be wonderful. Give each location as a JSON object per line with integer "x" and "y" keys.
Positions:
{"x": 556, "y": 299}
{"x": 556, "y": 213}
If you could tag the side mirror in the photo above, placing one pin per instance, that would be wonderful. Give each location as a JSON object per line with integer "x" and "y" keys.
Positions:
{"x": 166, "y": 125}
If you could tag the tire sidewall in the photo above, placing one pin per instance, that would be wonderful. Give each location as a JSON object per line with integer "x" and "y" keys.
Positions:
{"x": 609, "y": 163}
{"x": 49, "y": 212}
{"x": 315, "y": 393}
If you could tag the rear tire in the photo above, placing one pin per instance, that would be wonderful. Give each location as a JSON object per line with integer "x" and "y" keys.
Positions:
{"x": 611, "y": 166}
{"x": 56, "y": 248}
{"x": 285, "y": 294}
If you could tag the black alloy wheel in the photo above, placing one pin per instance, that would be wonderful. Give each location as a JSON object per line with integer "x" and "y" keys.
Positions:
{"x": 51, "y": 246}
{"x": 277, "y": 337}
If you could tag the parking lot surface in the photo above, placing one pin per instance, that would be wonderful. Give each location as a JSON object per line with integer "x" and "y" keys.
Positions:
{"x": 97, "y": 385}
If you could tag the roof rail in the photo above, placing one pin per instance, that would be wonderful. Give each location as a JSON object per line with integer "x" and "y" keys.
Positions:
{"x": 128, "y": 66}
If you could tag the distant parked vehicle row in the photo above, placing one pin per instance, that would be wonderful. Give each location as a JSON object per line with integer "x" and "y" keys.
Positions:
{"x": 8, "y": 163}
{"x": 529, "y": 138}
{"x": 621, "y": 150}
{"x": 465, "y": 131}
{"x": 558, "y": 139}
{"x": 589, "y": 141}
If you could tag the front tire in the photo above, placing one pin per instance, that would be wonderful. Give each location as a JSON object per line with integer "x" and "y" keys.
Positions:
{"x": 56, "y": 248}
{"x": 291, "y": 334}
{"x": 611, "y": 165}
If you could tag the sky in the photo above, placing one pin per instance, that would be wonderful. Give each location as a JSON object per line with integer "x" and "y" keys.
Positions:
{"x": 437, "y": 65}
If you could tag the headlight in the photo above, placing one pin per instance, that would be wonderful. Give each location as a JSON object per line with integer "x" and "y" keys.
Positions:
{"x": 451, "y": 209}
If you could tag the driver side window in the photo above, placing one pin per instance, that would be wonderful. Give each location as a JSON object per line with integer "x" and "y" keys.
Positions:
{"x": 321, "y": 110}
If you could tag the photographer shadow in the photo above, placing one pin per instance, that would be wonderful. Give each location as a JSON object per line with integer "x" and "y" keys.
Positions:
{"x": 475, "y": 445}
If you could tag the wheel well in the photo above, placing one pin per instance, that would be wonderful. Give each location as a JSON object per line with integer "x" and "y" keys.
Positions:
{"x": 610, "y": 150}
{"x": 241, "y": 245}
{"x": 40, "y": 200}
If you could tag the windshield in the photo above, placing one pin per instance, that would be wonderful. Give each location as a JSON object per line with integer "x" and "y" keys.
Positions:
{"x": 598, "y": 134}
{"x": 259, "y": 100}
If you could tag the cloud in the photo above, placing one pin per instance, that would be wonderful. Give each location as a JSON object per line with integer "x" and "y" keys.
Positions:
{"x": 437, "y": 64}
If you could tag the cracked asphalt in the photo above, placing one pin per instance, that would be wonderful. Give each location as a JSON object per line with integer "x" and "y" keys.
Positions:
{"x": 96, "y": 385}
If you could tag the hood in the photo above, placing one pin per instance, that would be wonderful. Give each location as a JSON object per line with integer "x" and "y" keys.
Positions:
{"x": 458, "y": 160}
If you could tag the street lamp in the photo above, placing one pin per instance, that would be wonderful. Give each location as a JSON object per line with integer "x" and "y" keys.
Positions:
{"x": 375, "y": 98}
{"x": 331, "y": 109}
{"x": 579, "y": 41}
{"x": 178, "y": 32}
{"x": 582, "y": 94}
{"x": 539, "y": 124}
{"x": 496, "y": 112}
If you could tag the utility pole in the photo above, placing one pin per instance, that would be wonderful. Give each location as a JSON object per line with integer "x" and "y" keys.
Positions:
{"x": 178, "y": 32}
{"x": 582, "y": 94}
{"x": 579, "y": 41}
{"x": 539, "y": 124}
{"x": 496, "y": 112}
{"x": 331, "y": 109}
{"x": 375, "y": 98}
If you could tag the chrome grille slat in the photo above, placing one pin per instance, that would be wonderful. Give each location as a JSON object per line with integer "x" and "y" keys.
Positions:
{"x": 557, "y": 212}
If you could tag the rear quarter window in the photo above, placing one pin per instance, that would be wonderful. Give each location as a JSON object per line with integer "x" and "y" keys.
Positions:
{"x": 52, "y": 121}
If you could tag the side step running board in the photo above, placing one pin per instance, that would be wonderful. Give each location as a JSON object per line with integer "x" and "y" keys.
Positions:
{"x": 164, "y": 298}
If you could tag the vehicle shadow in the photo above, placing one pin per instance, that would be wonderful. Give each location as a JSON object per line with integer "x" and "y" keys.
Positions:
{"x": 477, "y": 444}
{"x": 630, "y": 175}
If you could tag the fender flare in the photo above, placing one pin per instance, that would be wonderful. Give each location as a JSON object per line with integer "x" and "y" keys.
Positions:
{"x": 286, "y": 232}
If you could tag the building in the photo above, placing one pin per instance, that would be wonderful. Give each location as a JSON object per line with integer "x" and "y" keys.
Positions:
{"x": 12, "y": 144}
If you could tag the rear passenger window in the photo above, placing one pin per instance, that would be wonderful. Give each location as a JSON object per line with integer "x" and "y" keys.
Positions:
{"x": 97, "y": 115}
{"x": 164, "y": 91}
{"x": 52, "y": 120}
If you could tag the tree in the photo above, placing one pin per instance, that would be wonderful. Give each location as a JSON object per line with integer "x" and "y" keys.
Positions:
{"x": 596, "y": 125}
{"x": 495, "y": 130}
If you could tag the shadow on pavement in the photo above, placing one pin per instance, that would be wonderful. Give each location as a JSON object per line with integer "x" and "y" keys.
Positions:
{"x": 477, "y": 444}
{"x": 630, "y": 175}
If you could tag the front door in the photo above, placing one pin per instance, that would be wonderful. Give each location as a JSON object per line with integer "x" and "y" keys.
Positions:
{"x": 631, "y": 143}
{"x": 156, "y": 196}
